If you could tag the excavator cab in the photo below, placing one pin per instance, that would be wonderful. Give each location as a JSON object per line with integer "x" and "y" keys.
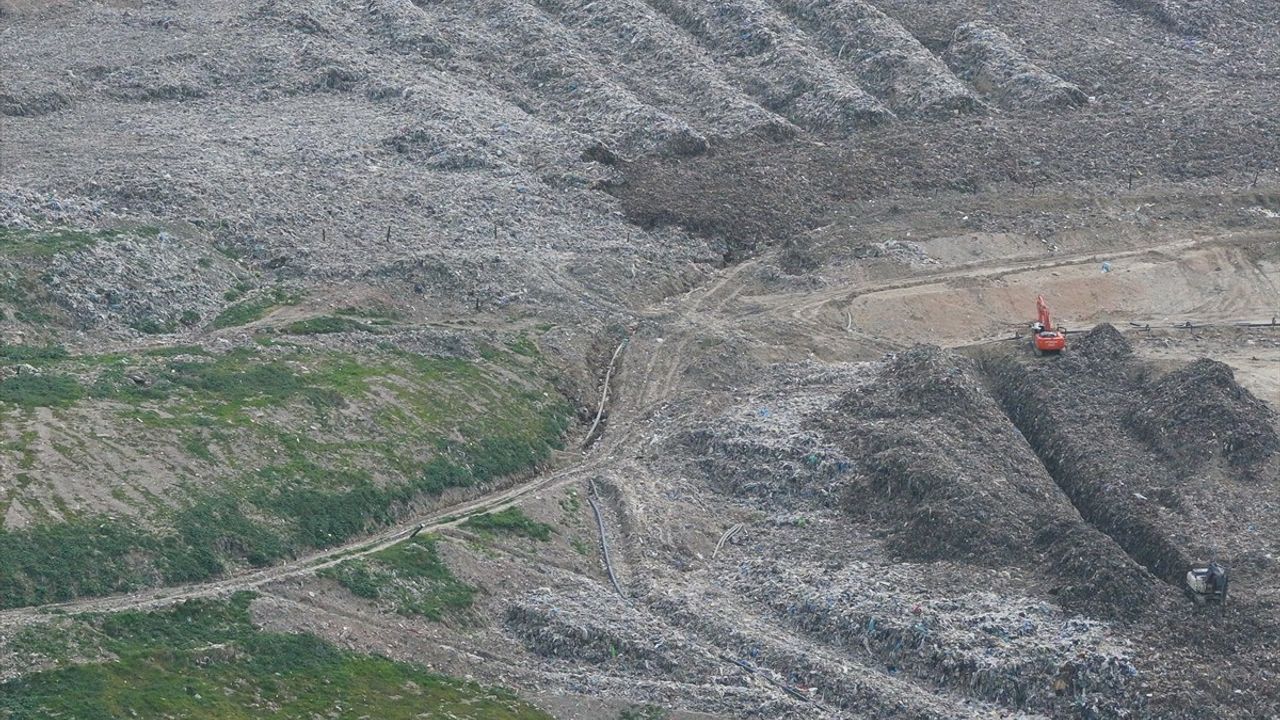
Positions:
{"x": 1207, "y": 585}
{"x": 1044, "y": 338}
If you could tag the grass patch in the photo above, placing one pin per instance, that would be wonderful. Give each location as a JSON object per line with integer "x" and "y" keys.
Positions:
{"x": 511, "y": 521}
{"x": 45, "y": 390}
{"x": 237, "y": 291}
{"x": 409, "y": 576}
{"x": 204, "y": 660}
{"x": 370, "y": 312}
{"x": 324, "y": 325}
{"x": 45, "y": 243}
{"x": 153, "y": 326}
{"x": 221, "y": 388}
{"x": 247, "y": 311}
{"x": 31, "y": 354}
{"x": 524, "y": 346}
{"x": 29, "y": 298}
{"x": 197, "y": 447}
{"x": 49, "y": 563}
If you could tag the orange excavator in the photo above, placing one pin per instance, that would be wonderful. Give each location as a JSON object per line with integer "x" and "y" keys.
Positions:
{"x": 1044, "y": 337}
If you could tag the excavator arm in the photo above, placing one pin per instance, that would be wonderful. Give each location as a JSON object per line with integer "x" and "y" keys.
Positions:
{"x": 1042, "y": 313}
{"x": 1046, "y": 338}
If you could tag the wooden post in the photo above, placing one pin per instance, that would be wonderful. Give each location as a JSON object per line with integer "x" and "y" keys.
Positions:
{"x": 388, "y": 233}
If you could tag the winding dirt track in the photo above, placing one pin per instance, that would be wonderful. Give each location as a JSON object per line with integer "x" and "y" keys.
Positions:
{"x": 648, "y": 385}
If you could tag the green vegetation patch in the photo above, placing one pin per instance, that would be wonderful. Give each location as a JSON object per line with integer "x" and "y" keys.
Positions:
{"x": 29, "y": 298}
{"x": 237, "y": 291}
{"x": 43, "y": 390}
{"x": 49, "y": 563}
{"x": 31, "y": 354}
{"x": 409, "y": 576}
{"x": 376, "y": 311}
{"x": 278, "y": 467}
{"x": 44, "y": 243}
{"x": 324, "y": 325}
{"x": 246, "y": 311}
{"x": 223, "y": 386}
{"x": 154, "y": 326}
{"x": 511, "y": 521}
{"x": 204, "y": 660}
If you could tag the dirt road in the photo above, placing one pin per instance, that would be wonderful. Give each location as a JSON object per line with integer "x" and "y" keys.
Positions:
{"x": 821, "y": 317}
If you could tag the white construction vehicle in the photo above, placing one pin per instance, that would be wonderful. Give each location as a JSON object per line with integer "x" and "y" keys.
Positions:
{"x": 1207, "y": 585}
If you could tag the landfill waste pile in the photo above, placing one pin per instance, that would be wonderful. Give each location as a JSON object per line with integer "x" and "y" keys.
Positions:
{"x": 987, "y": 58}
{"x": 987, "y": 469}
{"x": 638, "y": 360}
{"x": 1199, "y": 414}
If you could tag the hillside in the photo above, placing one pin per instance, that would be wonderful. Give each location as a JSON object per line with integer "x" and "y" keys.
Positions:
{"x": 637, "y": 359}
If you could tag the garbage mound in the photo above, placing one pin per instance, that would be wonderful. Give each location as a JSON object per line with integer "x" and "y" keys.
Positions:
{"x": 765, "y": 449}
{"x": 1069, "y": 413}
{"x": 1012, "y": 651}
{"x": 917, "y": 448}
{"x": 1104, "y": 343}
{"x": 939, "y": 465}
{"x": 933, "y": 459}
{"x": 1200, "y": 412}
{"x": 771, "y": 59}
{"x": 1190, "y": 18}
{"x": 865, "y": 688}
{"x": 888, "y": 60}
{"x": 986, "y": 58}
{"x": 930, "y": 379}
{"x": 33, "y": 104}
{"x": 602, "y": 631}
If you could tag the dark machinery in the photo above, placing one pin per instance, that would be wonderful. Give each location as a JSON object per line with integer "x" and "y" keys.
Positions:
{"x": 1207, "y": 585}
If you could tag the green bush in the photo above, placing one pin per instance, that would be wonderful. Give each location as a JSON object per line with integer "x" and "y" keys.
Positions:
{"x": 324, "y": 519}
{"x": 372, "y": 312}
{"x": 212, "y": 529}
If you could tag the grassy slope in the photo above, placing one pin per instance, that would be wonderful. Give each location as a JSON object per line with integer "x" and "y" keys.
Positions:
{"x": 410, "y": 577}
{"x": 511, "y": 521}
{"x": 390, "y": 428}
{"x": 204, "y": 659}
